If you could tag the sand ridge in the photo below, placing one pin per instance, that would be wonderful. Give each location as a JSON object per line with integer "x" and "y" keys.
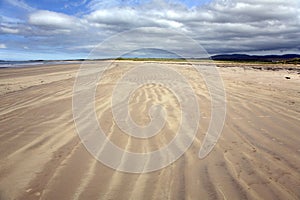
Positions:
{"x": 256, "y": 156}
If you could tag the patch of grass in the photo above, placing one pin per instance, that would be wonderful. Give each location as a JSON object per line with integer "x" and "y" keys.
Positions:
{"x": 153, "y": 59}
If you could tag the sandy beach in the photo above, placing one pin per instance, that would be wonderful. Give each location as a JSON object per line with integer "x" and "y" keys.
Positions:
{"x": 256, "y": 157}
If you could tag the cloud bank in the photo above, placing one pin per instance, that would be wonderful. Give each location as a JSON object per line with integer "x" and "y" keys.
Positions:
{"x": 220, "y": 26}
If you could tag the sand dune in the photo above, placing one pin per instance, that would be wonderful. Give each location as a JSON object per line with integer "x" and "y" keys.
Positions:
{"x": 256, "y": 157}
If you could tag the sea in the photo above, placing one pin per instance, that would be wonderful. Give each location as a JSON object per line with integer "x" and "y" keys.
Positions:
{"x": 19, "y": 64}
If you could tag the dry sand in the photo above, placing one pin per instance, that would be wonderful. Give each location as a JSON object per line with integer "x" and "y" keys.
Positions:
{"x": 256, "y": 157}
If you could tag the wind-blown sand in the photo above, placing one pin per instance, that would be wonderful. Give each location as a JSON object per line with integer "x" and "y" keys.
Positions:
{"x": 256, "y": 157}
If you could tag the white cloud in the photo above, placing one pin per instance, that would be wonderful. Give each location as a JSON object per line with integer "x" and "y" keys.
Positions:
{"x": 21, "y": 4}
{"x": 2, "y": 46}
{"x": 229, "y": 24}
{"x": 222, "y": 26}
{"x": 9, "y": 30}
{"x": 115, "y": 16}
{"x": 128, "y": 17}
{"x": 52, "y": 19}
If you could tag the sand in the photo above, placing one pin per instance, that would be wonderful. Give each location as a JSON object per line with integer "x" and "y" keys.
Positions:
{"x": 256, "y": 157}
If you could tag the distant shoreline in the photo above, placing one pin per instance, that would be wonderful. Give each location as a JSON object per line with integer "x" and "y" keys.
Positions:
{"x": 289, "y": 59}
{"x": 239, "y": 58}
{"x": 34, "y": 63}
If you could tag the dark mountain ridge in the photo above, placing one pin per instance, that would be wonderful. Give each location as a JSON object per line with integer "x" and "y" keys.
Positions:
{"x": 258, "y": 58}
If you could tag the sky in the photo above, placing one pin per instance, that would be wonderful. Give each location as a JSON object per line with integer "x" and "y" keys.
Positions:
{"x": 72, "y": 29}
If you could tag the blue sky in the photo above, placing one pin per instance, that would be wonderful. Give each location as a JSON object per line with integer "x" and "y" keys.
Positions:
{"x": 65, "y": 29}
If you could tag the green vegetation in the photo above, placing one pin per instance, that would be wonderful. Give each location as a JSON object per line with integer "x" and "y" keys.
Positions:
{"x": 153, "y": 59}
{"x": 295, "y": 61}
{"x": 244, "y": 61}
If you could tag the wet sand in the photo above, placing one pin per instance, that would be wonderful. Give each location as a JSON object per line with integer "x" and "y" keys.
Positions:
{"x": 256, "y": 157}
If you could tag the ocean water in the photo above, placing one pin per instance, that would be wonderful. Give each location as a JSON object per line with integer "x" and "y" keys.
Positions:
{"x": 18, "y": 64}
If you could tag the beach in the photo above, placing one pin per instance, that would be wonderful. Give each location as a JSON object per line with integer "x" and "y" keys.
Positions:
{"x": 256, "y": 156}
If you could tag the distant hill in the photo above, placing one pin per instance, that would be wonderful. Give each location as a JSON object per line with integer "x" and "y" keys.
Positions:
{"x": 289, "y": 58}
